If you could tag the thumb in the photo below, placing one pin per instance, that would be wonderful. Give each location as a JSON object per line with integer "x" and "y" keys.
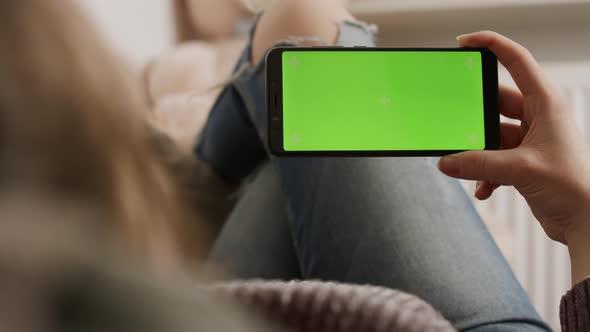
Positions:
{"x": 492, "y": 166}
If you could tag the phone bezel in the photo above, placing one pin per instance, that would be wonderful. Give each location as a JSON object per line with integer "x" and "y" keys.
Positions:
{"x": 274, "y": 103}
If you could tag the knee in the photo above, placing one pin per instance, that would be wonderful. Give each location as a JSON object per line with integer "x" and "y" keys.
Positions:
{"x": 300, "y": 18}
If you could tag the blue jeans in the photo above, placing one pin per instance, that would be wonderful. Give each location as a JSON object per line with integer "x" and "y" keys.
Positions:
{"x": 393, "y": 222}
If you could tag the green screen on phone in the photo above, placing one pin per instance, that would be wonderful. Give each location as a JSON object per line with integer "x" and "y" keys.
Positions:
{"x": 382, "y": 100}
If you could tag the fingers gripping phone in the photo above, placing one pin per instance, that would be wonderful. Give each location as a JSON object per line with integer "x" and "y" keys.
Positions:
{"x": 330, "y": 101}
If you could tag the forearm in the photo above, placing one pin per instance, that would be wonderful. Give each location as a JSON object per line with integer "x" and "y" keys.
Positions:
{"x": 578, "y": 241}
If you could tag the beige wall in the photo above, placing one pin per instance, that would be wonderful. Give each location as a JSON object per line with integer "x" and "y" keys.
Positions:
{"x": 138, "y": 29}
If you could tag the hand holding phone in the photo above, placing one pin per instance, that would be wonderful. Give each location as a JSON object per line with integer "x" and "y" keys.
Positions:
{"x": 544, "y": 156}
{"x": 335, "y": 101}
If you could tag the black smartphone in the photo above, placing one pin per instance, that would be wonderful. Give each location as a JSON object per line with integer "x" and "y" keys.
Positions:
{"x": 336, "y": 101}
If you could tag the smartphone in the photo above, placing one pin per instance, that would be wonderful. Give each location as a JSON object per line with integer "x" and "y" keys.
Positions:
{"x": 336, "y": 101}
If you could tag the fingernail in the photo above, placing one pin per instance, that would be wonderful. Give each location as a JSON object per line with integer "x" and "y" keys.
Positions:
{"x": 449, "y": 165}
{"x": 461, "y": 37}
{"x": 464, "y": 38}
{"x": 477, "y": 186}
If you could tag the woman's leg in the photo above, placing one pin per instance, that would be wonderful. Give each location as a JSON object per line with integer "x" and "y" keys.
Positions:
{"x": 232, "y": 140}
{"x": 384, "y": 221}
{"x": 256, "y": 242}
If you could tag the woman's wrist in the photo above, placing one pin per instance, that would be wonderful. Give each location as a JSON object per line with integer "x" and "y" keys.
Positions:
{"x": 578, "y": 242}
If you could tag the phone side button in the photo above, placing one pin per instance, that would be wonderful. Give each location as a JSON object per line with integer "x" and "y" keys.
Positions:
{"x": 275, "y": 123}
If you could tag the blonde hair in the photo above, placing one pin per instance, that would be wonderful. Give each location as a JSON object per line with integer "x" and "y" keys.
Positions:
{"x": 72, "y": 127}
